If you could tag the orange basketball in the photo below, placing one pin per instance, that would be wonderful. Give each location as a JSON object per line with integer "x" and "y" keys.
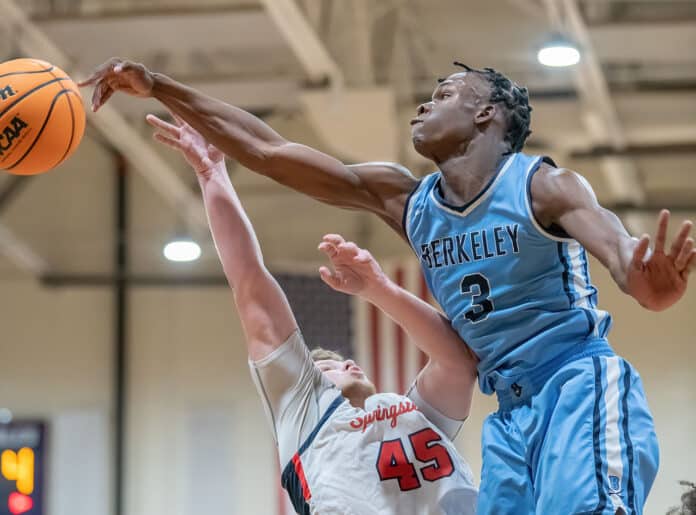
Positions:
{"x": 42, "y": 119}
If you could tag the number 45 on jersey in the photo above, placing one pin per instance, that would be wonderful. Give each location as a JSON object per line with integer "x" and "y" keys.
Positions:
{"x": 434, "y": 460}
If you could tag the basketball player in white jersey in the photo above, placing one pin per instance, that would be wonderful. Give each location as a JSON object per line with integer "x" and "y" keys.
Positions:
{"x": 345, "y": 448}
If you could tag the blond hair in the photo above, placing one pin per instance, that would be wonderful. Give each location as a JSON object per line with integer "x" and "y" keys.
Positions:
{"x": 318, "y": 354}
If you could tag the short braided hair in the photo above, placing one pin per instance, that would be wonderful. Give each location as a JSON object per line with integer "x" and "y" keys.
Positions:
{"x": 514, "y": 98}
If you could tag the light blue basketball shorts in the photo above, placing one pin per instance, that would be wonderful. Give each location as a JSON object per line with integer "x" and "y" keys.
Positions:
{"x": 584, "y": 443}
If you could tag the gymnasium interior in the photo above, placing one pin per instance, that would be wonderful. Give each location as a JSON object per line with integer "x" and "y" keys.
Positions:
{"x": 125, "y": 372}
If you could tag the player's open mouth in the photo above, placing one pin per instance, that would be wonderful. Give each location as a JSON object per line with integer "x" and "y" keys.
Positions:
{"x": 415, "y": 121}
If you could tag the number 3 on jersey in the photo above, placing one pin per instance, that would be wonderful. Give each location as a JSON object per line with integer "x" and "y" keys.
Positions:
{"x": 392, "y": 462}
{"x": 481, "y": 304}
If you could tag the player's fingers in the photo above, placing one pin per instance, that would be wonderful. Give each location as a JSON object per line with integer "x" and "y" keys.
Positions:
{"x": 100, "y": 90}
{"x": 329, "y": 278}
{"x": 690, "y": 265}
{"x": 640, "y": 251}
{"x": 680, "y": 238}
{"x": 89, "y": 81}
{"x": 684, "y": 255}
{"x": 661, "y": 236}
{"x": 328, "y": 248}
{"x": 349, "y": 249}
{"x": 105, "y": 94}
{"x": 178, "y": 118}
{"x": 363, "y": 256}
{"x": 126, "y": 66}
{"x": 171, "y": 142}
{"x": 97, "y": 93}
{"x": 129, "y": 67}
{"x": 160, "y": 124}
{"x": 334, "y": 239}
{"x": 99, "y": 73}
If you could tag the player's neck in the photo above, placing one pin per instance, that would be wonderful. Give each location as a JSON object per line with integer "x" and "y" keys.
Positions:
{"x": 358, "y": 392}
{"x": 464, "y": 175}
{"x": 357, "y": 400}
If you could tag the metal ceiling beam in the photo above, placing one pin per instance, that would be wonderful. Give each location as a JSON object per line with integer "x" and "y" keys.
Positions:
{"x": 600, "y": 117}
{"x": 235, "y": 35}
{"x": 101, "y": 11}
{"x": 304, "y": 42}
{"x": 656, "y": 42}
{"x": 529, "y": 7}
{"x": 637, "y": 151}
{"x": 21, "y": 254}
{"x": 647, "y": 137}
{"x": 313, "y": 10}
{"x": 113, "y": 127}
{"x": 362, "y": 38}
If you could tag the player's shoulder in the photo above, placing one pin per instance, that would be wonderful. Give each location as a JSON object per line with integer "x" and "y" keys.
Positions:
{"x": 555, "y": 190}
{"x": 425, "y": 184}
{"x": 553, "y": 182}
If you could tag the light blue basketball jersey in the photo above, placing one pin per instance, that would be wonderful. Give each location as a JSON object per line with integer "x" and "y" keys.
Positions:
{"x": 520, "y": 296}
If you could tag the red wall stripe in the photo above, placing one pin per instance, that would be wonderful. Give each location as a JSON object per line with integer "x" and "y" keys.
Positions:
{"x": 400, "y": 342}
{"x": 374, "y": 347}
{"x": 424, "y": 294}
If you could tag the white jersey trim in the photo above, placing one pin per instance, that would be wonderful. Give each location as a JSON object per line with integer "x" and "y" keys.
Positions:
{"x": 449, "y": 426}
{"x": 611, "y": 433}
{"x": 528, "y": 203}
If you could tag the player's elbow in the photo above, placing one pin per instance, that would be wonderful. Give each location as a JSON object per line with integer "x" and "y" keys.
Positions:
{"x": 276, "y": 158}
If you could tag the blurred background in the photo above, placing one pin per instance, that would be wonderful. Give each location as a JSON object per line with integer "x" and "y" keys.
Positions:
{"x": 122, "y": 372}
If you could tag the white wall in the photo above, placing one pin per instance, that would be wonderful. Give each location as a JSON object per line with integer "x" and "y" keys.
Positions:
{"x": 55, "y": 365}
{"x": 189, "y": 384}
{"x": 188, "y": 359}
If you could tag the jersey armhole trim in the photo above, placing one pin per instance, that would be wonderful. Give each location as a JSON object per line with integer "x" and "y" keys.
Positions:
{"x": 293, "y": 478}
{"x": 329, "y": 411}
{"x": 534, "y": 168}
{"x": 407, "y": 212}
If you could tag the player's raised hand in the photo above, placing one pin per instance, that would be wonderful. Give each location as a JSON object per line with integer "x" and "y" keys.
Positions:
{"x": 200, "y": 154}
{"x": 118, "y": 75}
{"x": 658, "y": 279}
{"x": 355, "y": 271}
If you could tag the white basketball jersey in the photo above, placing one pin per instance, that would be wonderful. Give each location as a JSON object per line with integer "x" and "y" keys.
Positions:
{"x": 386, "y": 459}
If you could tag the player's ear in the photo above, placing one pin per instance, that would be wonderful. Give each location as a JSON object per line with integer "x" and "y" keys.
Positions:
{"x": 485, "y": 114}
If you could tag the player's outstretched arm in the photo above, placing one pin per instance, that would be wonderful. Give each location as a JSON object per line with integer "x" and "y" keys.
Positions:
{"x": 447, "y": 382}
{"x": 381, "y": 188}
{"x": 656, "y": 277}
{"x": 264, "y": 311}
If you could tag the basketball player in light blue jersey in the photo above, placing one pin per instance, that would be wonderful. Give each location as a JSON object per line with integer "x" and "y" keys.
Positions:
{"x": 502, "y": 239}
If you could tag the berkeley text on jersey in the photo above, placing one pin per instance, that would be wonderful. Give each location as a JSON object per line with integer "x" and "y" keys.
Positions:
{"x": 471, "y": 246}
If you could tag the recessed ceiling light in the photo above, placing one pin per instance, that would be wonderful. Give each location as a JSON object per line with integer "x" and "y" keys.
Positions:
{"x": 182, "y": 250}
{"x": 558, "y": 55}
